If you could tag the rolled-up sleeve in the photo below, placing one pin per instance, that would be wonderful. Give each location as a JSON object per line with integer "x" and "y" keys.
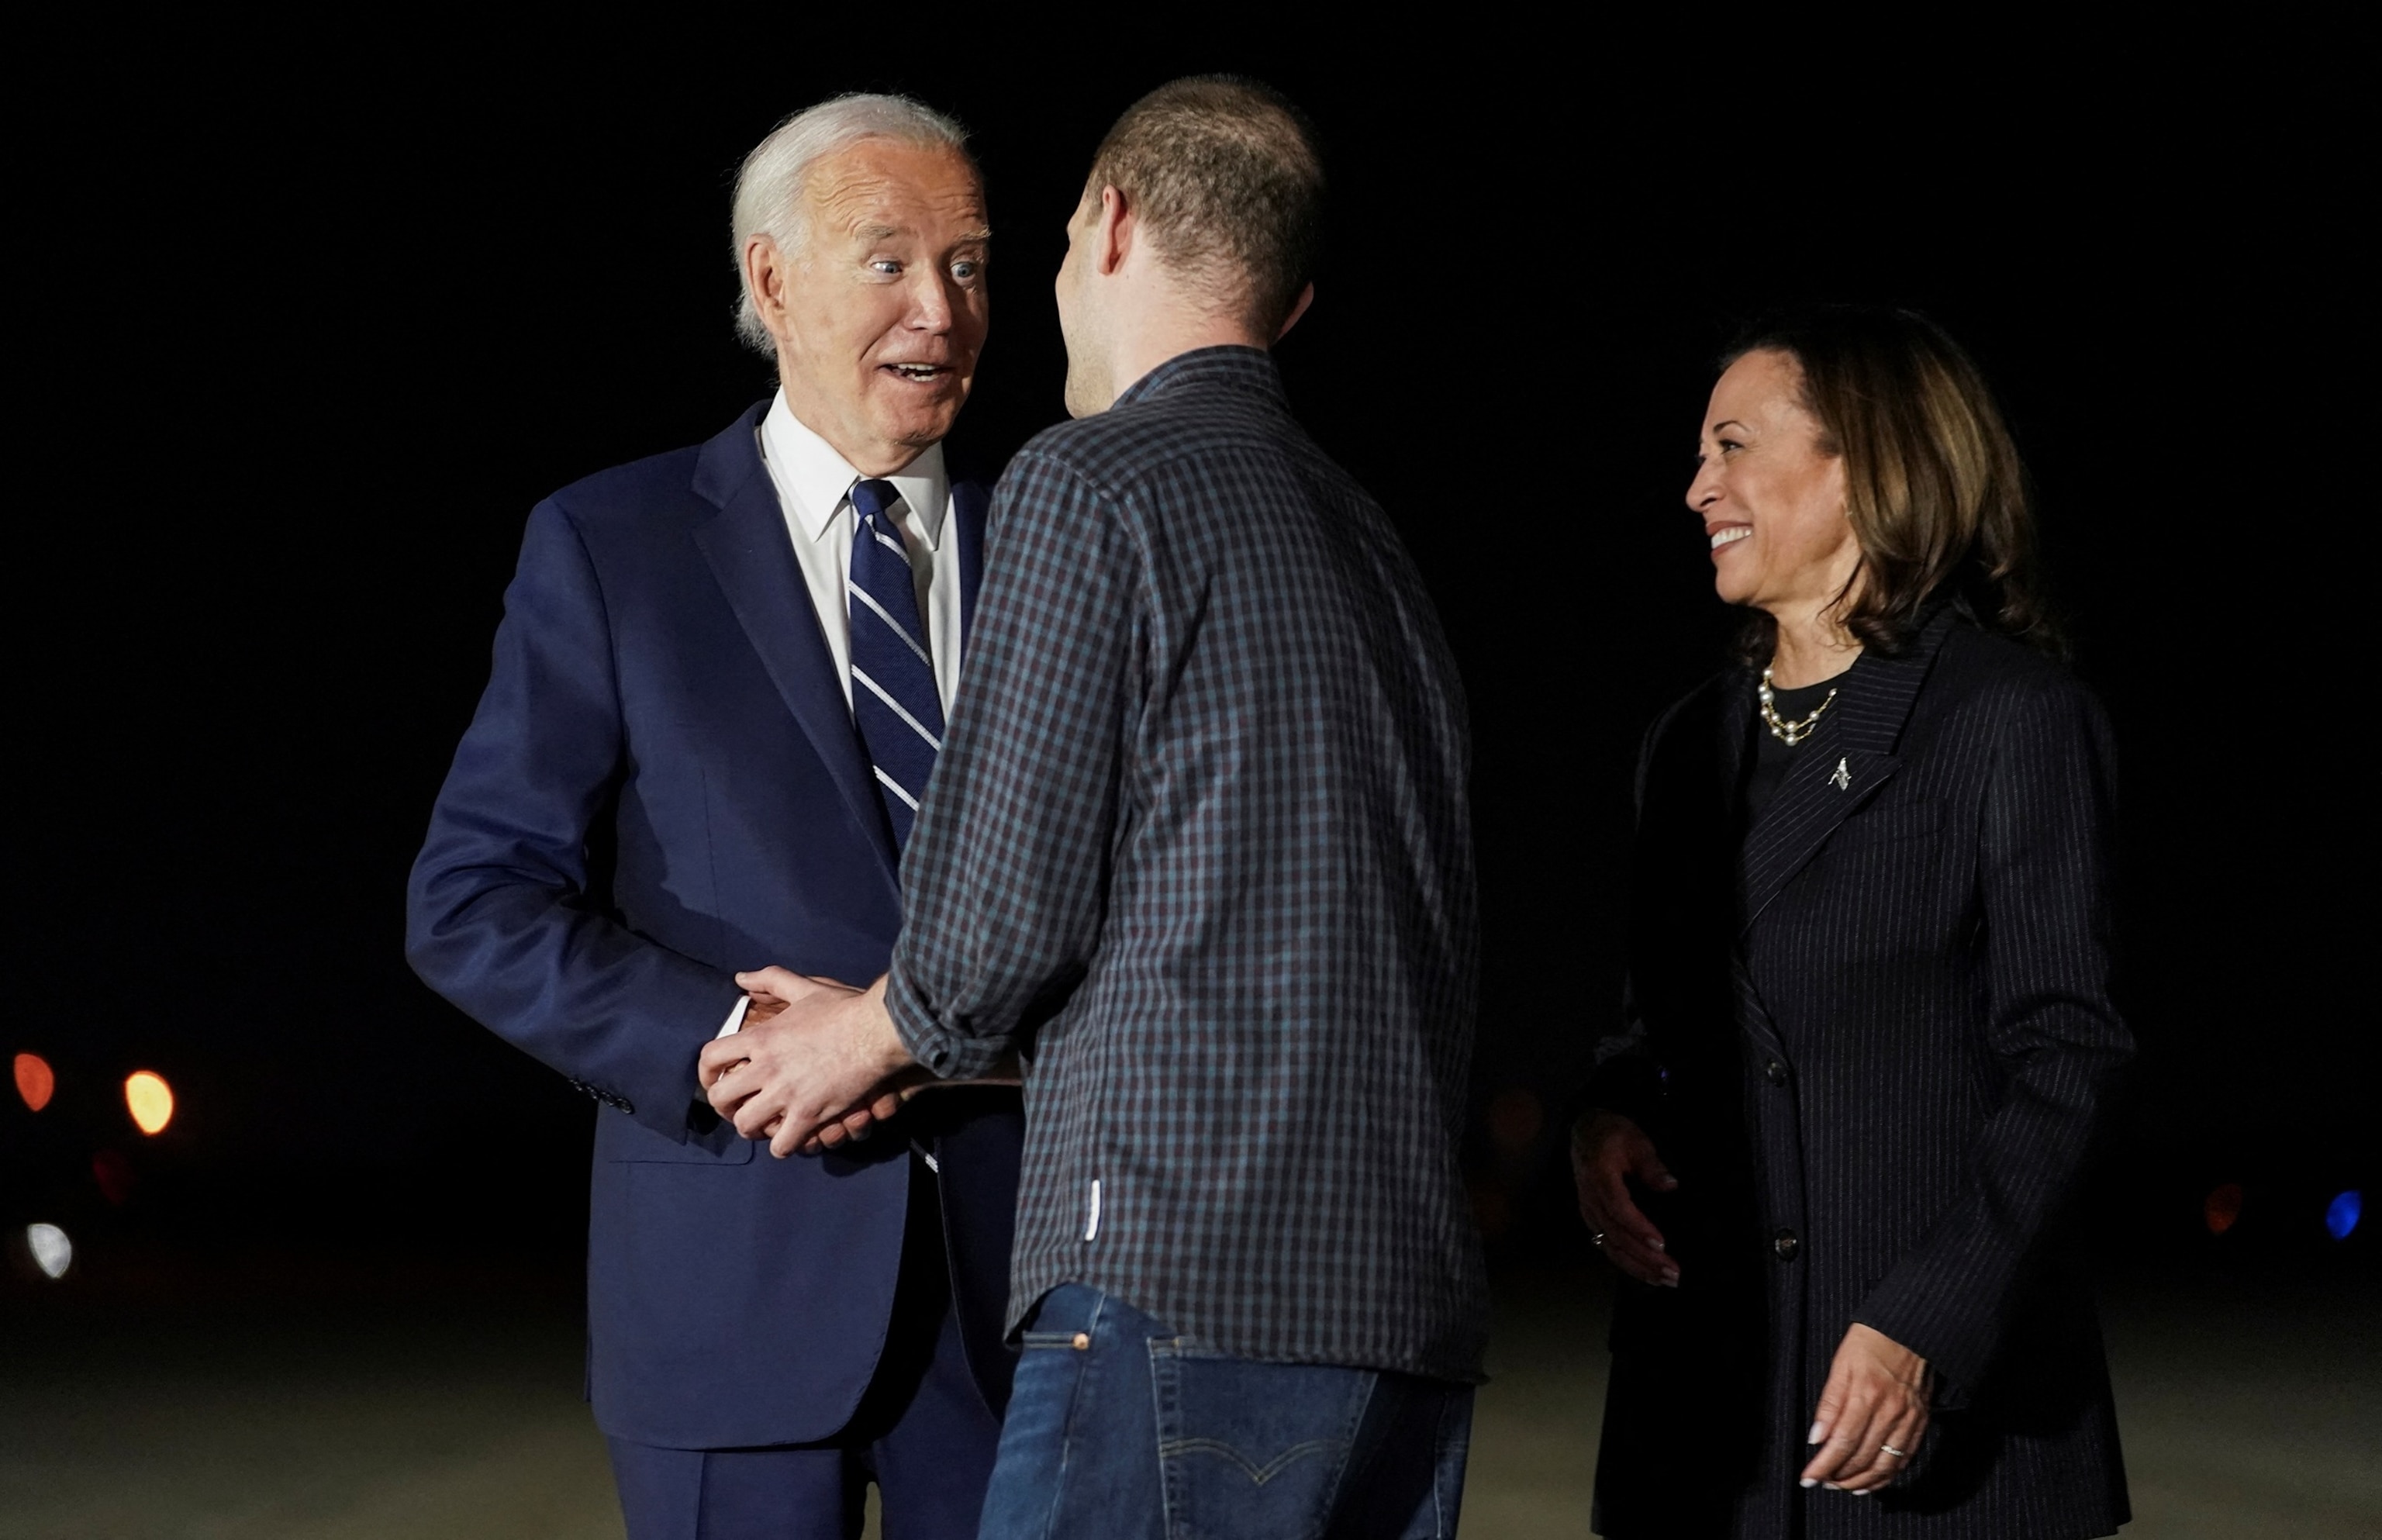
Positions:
{"x": 1003, "y": 881}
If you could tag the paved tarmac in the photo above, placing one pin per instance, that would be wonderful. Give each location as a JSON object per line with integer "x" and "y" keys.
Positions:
{"x": 449, "y": 1409}
{"x": 2250, "y": 1408}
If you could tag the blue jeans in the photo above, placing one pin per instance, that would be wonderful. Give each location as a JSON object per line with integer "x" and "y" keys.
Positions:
{"x": 1119, "y": 1430}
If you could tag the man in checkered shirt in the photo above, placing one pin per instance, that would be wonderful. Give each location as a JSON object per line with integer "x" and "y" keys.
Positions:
{"x": 1196, "y": 847}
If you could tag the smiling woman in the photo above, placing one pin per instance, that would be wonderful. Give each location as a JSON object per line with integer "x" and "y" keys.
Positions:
{"x": 1836, "y": 1144}
{"x": 1863, "y": 443}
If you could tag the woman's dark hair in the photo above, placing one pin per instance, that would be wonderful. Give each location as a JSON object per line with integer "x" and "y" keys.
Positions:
{"x": 1933, "y": 484}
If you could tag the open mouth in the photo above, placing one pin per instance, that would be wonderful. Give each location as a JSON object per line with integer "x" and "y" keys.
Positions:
{"x": 1729, "y": 535}
{"x": 922, "y": 374}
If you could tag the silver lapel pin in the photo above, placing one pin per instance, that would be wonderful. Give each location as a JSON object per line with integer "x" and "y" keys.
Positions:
{"x": 1843, "y": 778}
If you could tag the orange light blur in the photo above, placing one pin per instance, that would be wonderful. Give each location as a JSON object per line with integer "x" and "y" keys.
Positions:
{"x": 35, "y": 1083}
{"x": 2224, "y": 1206}
{"x": 150, "y": 1099}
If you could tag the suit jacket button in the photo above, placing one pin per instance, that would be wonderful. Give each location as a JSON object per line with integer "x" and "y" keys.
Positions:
{"x": 1775, "y": 1072}
{"x": 1786, "y": 1246}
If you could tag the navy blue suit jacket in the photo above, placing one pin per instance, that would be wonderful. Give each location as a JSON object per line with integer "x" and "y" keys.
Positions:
{"x": 663, "y": 785}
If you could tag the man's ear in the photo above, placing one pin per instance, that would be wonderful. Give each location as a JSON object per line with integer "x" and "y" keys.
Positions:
{"x": 765, "y": 280}
{"x": 1306, "y": 298}
{"x": 1112, "y": 242}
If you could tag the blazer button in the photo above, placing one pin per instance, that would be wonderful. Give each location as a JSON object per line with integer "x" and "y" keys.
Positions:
{"x": 1786, "y": 1246}
{"x": 1775, "y": 1072}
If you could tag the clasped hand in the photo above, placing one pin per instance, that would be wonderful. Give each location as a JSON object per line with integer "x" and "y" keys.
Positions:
{"x": 817, "y": 1064}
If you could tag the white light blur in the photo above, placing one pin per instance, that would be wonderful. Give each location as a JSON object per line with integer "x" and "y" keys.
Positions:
{"x": 53, "y": 1252}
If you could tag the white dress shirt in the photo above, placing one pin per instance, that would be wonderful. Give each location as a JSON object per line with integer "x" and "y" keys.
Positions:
{"x": 815, "y": 490}
{"x": 814, "y": 487}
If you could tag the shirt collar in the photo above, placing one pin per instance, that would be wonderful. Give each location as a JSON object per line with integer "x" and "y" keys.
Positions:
{"x": 1231, "y": 366}
{"x": 812, "y": 480}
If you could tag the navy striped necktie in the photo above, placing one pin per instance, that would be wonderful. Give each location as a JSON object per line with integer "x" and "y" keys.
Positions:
{"x": 894, "y": 702}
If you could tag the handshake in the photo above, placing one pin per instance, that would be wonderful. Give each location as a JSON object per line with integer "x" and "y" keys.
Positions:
{"x": 817, "y": 1063}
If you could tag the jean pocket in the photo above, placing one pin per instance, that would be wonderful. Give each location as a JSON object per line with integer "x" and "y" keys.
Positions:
{"x": 1073, "y": 1341}
{"x": 1249, "y": 1450}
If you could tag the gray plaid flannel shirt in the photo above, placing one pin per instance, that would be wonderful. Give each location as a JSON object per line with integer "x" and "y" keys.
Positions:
{"x": 1198, "y": 846}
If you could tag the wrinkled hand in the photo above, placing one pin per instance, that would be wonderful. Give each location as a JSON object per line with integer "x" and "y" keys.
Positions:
{"x": 1606, "y": 1151}
{"x": 1875, "y": 1397}
{"x": 817, "y": 1064}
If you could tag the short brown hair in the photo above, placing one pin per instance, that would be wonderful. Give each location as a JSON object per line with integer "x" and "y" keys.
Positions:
{"x": 1228, "y": 179}
{"x": 1933, "y": 486}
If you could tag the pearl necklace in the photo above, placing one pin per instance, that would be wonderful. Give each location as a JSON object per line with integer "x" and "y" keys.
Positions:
{"x": 1789, "y": 732}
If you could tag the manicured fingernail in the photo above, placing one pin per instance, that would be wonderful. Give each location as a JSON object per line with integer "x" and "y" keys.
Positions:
{"x": 1810, "y": 1480}
{"x": 1864, "y": 1492}
{"x": 1819, "y": 1430}
{"x": 1656, "y": 1244}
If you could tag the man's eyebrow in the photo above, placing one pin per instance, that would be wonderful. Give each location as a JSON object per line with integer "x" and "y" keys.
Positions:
{"x": 886, "y": 232}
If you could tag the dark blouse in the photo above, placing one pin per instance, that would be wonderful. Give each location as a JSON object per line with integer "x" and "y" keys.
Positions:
{"x": 1772, "y": 757}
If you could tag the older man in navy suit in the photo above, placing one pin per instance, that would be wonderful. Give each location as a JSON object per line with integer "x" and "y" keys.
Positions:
{"x": 718, "y": 692}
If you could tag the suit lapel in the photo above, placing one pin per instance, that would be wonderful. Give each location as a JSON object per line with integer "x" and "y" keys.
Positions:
{"x": 1823, "y": 788}
{"x": 968, "y": 500}
{"x": 752, "y": 559}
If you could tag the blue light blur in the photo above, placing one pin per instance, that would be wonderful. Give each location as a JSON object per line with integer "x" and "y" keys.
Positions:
{"x": 2346, "y": 1211}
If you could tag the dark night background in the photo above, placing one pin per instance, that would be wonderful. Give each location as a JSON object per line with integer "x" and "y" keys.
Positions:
{"x": 298, "y": 340}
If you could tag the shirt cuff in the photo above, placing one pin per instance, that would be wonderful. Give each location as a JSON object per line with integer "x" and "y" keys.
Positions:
{"x": 949, "y": 1056}
{"x": 735, "y": 1022}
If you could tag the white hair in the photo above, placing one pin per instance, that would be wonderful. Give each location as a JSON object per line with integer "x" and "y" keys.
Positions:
{"x": 770, "y": 184}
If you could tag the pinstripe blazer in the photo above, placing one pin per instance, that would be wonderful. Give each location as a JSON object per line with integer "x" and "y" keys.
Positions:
{"x": 1870, "y": 1034}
